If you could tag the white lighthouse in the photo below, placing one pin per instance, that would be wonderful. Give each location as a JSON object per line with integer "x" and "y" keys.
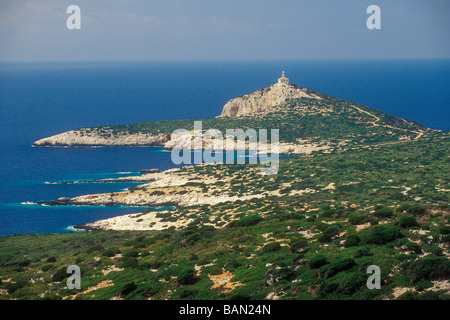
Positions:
{"x": 283, "y": 79}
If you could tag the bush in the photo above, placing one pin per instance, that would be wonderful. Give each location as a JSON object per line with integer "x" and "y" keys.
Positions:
{"x": 435, "y": 250}
{"x": 187, "y": 276}
{"x": 329, "y": 270}
{"x": 364, "y": 252}
{"x": 193, "y": 257}
{"x": 131, "y": 253}
{"x": 416, "y": 210}
{"x": 188, "y": 293}
{"x": 47, "y": 267}
{"x": 192, "y": 239}
{"x": 446, "y": 238}
{"x": 384, "y": 213}
{"x": 245, "y": 222}
{"x": 270, "y": 247}
{"x": 24, "y": 263}
{"x": 356, "y": 219}
{"x": 97, "y": 247}
{"x": 317, "y": 261}
{"x": 343, "y": 264}
{"x": 352, "y": 240}
{"x": 299, "y": 244}
{"x": 127, "y": 288}
{"x": 329, "y": 233}
{"x": 414, "y": 247}
{"x": 382, "y": 235}
{"x": 51, "y": 259}
{"x": 407, "y": 222}
{"x": 111, "y": 252}
{"x": 60, "y": 274}
{"x": 428, "y": 268}
{"x": 129, "y": 262}
{"x": 444, "y": 229}
{"x": 350, "y": 282}
{"x": 19, "y": 283}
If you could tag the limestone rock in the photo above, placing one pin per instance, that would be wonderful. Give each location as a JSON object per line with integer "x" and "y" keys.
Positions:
{"x": 263, "y": 99}
{"x": 103, "y": 137}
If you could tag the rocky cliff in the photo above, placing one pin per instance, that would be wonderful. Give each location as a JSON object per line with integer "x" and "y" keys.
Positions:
{"x": 263, "y": 99}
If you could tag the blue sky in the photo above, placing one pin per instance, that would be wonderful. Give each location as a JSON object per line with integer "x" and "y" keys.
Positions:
{"x": 146, "y": 30}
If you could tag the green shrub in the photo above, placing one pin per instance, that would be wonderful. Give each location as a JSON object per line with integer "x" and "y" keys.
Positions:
{"x": 356, "y": 219}
{"x": 329, "y": 233}
{"x": 24, "y": 263}
{"x": 193, "y": 257}
{"x": 350, "y": 282}
{"x": 343, "y": 264}
{"x": 384, "y": 213}
{"x": 47, "y": 267}
{"x": 407, "y": 222}
{"x": 414, "y": 247}
{"x": 444, "y": 229}
{"x": 187, "y": 276}
{"x": 270, "y": 247}
{"x": 317, "y": 261}
{"x": 352, "y": 240}
{"x": 364, "y": 252}
{"x": 127, "y": 288}
{"x": 446, "y": 238}
{"x": 245, "y": 222}
{"x": 383, "y": 234}
{"x": 15, "y": 285}
{"x": 416, "y": 210}
{"x": 284, "y": 273}
{"x": 435, "y": 250}
{"x": 51, "y": 259}
{"x": 111, "y": 252}
{"x": 329, "y": 270}
{"x": 129, "y": 262}
{"x": 192, "y": 239}
{"x": 92, "y": 249}
{"x": 187, "y": 293}
{"x": 131, "y": 253}
{"x": 428, "y": 268}
{"x": 60, "y": 274}
{"x": 299, "y": 244}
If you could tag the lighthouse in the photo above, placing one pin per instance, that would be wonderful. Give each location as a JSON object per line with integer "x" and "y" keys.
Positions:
{"x": 283, "y": 79}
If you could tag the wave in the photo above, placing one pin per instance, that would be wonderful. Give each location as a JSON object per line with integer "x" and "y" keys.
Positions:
{"x": 124, "y": 172}
{"x": 28, "y": 203}
{"x": 73, "y": 229}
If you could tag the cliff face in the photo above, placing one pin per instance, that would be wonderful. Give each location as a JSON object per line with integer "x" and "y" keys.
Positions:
{"x": 264, "y": 99}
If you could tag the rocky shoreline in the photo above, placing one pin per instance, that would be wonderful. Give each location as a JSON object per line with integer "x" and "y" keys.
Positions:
{"x": 179, "y": 187}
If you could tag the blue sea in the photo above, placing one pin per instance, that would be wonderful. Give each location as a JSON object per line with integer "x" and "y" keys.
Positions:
{"x": 39, "y": 100}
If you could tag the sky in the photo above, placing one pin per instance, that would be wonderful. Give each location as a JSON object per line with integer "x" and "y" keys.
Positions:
{"x": 155, "y": 30}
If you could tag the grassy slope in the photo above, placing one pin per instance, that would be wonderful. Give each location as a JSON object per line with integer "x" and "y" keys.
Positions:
{"x": 267, "y": 248}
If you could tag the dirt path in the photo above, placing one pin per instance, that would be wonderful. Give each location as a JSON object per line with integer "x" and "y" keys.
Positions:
{"x": 377, "y": 119}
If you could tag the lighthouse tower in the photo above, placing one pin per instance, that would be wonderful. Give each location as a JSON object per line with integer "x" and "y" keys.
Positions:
{"x": 283, "y": 79}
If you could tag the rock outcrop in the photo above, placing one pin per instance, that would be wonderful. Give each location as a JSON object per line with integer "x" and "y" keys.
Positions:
{"x": 263, "y": 99}
{"x": 103, "y": 137}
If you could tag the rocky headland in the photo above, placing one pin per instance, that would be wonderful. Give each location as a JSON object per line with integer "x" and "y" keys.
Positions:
{"x": 308, "y": 122}
{"x": 264, "y": 99}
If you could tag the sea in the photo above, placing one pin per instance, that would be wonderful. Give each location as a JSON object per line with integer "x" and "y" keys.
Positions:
{"x": 42, "y": 99}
